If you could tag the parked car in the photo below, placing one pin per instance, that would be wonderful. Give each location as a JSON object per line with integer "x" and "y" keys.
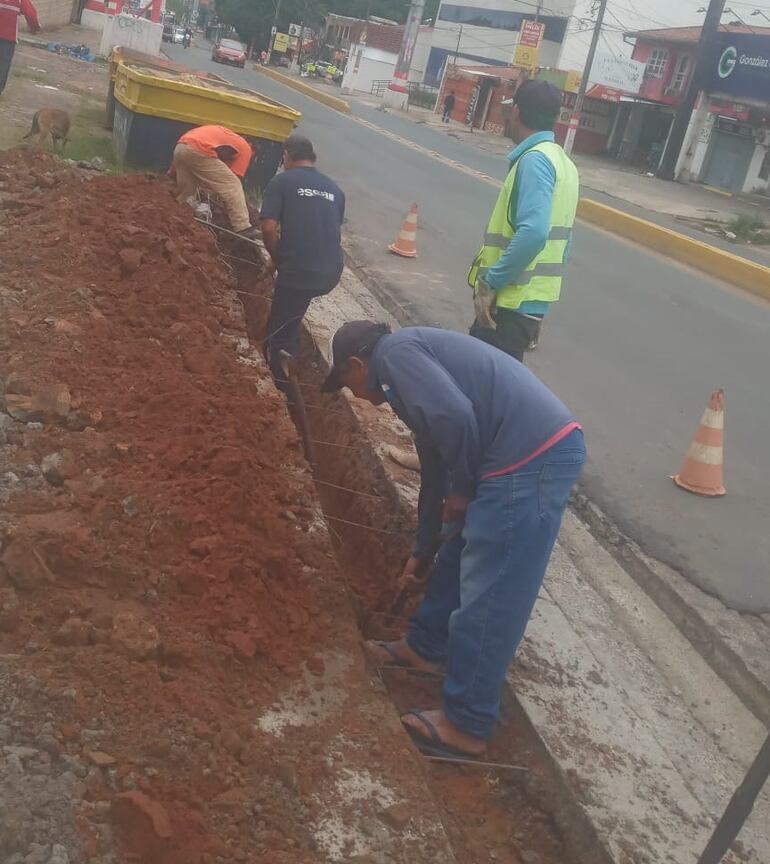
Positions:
{"x": 178, "y": 35}
{"x": 229, "y": 51}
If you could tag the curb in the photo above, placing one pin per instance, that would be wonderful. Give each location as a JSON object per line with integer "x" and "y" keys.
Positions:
{"x": 751, "y": 277}
{"x": 330, "y": 101}
{"x": 706, "y": 639}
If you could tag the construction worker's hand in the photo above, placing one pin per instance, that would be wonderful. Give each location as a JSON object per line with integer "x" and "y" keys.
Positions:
{"x": 409, "y": 577}
{"x": 454, "y": 509}
{"x": 485, "y": 302}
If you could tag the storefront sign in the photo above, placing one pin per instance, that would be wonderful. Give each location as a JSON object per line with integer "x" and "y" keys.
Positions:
{"x": 742, "y": 67}
{"x": 531, "y": 34}
{"x": 528, "y": 48}
{"x": 472, "y": 103}
{"x": 617, "y": 73}
{"x": 595, "y": 117}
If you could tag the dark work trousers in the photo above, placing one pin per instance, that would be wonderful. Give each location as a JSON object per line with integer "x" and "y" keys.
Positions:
{"x": 6, "y": 57}
{"x": 292, "y": 294}
{"x": 514, "y": 333}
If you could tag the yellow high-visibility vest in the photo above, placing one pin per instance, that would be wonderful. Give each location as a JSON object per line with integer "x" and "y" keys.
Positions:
{"x": 541, "y": 280}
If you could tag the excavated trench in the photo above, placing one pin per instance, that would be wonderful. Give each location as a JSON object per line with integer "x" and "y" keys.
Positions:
{"x": 495, "y": 815}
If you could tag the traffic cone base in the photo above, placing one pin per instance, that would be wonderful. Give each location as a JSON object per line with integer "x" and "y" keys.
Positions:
{"x": 405, "y": 244}
{"x": 702, "y": 469}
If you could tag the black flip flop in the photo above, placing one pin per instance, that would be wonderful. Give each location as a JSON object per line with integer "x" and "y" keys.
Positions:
{"x": 399, "y": 663}
{"x": 434, "y": 746}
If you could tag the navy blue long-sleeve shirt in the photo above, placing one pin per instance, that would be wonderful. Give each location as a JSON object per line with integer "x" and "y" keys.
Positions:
{"x": 475, "y": 411}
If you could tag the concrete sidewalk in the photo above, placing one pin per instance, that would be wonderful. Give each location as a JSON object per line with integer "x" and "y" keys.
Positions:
{"x": 647, "y": 741}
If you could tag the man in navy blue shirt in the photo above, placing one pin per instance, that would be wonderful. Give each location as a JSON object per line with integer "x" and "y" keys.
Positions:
{"x": 302, "y": 213}
{"x": 499, "y": 455}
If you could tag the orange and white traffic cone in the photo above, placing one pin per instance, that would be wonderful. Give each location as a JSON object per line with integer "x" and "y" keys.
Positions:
{"x": 406, "y": 242}
{"x": 701, "y": 470}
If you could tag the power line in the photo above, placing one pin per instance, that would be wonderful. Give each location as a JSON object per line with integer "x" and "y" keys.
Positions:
{"x": 574, "y": 121}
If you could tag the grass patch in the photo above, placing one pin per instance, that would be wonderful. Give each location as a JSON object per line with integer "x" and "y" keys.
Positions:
{"x": 25, "y": 73}
{"x": 85, "y": 145}
{"x": 745, "y": 227}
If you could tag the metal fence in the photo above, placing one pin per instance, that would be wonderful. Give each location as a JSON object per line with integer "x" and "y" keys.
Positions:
{"x": 422, "y": 96}
{"x": 419, "y": 94}
{"x": 379, "y": 87}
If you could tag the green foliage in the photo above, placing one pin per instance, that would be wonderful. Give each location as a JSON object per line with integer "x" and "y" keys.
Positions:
{"x": 176, "y": 6}
{"x": 749, "y": 229}
{"x": 252, "y": 19}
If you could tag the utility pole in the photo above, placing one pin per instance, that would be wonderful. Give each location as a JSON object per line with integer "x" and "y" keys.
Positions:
{"x": 274, "y": 31}
{"x": 709, "y": 40}
{"x": 538, "y": 10}
{"x": 574, "y": 120}
{"x": 459, "y": 39}
{"x": 299, "y": 46}
{"x": 397, "y": 94}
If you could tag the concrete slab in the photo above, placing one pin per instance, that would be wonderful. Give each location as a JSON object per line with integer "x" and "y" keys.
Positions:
{"x": 650, "y": 736}
{"x": 650, "y": 740}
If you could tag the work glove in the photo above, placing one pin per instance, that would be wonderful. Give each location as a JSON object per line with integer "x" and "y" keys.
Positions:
{"x": 484, "y": 302}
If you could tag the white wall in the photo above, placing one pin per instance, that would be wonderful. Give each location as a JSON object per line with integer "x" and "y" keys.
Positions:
{"x": 754, "y": 183}
{"x": 494, "y": 44}
{"x": 422, "y": 48}
{"x": 694, "y": 164}
{"x": 93, "y": 20}
{"x": 130, "y": 32}
{"x": 366, "y": 65}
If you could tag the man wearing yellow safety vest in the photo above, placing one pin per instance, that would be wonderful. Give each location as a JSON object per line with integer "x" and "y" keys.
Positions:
{"x": 519, "y": 270}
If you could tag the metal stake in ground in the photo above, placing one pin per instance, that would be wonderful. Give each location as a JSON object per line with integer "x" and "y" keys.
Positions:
{"x": 297, "y": 406}
{"x": 226, "y": 231}
{"x": 739, "y": 808}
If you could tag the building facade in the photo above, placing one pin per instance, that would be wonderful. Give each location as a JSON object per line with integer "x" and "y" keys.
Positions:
{"x": 486, "y": 32}
{"x": 728, "y": 142}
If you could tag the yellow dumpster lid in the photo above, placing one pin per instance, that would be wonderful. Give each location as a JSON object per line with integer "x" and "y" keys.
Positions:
{"x": 181, "y": 95}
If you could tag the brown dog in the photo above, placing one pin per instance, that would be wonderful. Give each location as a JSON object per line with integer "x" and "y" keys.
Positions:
{"x": 50, "y": 121}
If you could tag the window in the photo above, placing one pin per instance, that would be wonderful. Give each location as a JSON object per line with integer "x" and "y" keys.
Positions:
{"x": 680, "y": 76}
{"x": 499, "y": 19}
{"x": 656, "y": 65}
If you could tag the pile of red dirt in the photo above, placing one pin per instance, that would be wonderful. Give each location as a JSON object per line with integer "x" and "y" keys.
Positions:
{"x": 162, "y": 543}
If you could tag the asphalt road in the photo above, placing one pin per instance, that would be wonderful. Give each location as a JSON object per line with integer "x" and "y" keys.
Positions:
{"x": 634, "y": 347}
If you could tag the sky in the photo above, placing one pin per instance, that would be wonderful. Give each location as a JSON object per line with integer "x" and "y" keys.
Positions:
{"x": 645, "y": 15}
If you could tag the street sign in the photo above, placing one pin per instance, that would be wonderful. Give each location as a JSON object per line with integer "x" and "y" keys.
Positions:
{"x": 528, "y": 48}
{"x": 281, "y": 43}
{"x": 294, "y": 29}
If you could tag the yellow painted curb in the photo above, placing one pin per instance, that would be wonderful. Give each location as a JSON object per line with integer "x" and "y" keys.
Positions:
{"x": 738, "y": 271}
{"x": 300, "y": 86}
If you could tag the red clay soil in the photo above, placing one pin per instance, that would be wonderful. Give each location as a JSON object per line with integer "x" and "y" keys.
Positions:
{"x": 167, "y": 569}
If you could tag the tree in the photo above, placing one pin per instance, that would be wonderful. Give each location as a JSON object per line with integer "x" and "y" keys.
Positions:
{"x": 252, "y": 19}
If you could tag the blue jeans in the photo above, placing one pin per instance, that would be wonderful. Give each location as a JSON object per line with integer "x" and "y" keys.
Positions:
{"x": 291, "y": 297}
{"x": 485, "y": 582}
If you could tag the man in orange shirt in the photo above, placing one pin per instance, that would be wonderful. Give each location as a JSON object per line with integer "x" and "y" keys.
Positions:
{"x": 215, "y": 159}
{"x": 9, "y": 31}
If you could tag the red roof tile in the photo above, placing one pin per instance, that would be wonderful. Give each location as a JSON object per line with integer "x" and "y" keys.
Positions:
{"x": 691, "y": 35}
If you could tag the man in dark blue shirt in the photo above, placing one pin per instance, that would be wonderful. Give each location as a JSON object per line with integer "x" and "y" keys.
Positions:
{"x": 302, "y": 213}
{"x": 499, "y": 455}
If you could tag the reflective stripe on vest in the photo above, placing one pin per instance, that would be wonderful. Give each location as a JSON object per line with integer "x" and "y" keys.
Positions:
{"x": 500, "y": 241}
{"x": 541, "y": 281}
